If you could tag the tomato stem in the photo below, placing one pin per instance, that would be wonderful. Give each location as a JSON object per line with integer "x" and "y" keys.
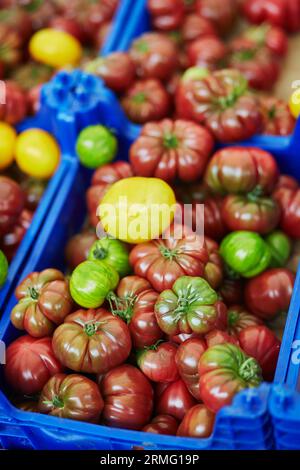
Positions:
{"x": 139, "y": 97}
{"x": 57, "y": 402}
{"x": 33, "y": 293}
{"x": 249, "y": 369}
{"x": 121, "y": 306}
{"x": 99, "y": 253}
{"x": 170, "y": 141}
{"x": 168, "y": 253}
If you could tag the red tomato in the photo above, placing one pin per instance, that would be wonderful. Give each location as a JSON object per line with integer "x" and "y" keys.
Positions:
{"x": 187, "y": 360}
{"x": 239, "y": 318}
{"x": 269, "y": 293}
{"x": 166, "y": 15}
{"x": 78, "y": 248}
{"x": 92, "y": 341}
{"x": 146, "y": 100}
{"x": 283, "y": 13}
{"x": 272, "y": 37}
{"x": 222, "y": 13}
{"x": 71, "y": 396}
{"x": 195, "y": 27}
{"x": 231, "y": 291}
{"x": 68, "y": 25}
{"x": 11, "y": 203}
{"x": 222, "y": 103}
{"x": 213, "y": 271}
{"x": 30, "y": 363}
{"x": 289, "y": 201}
{"x": 286, "y": 181}
{"x": 277, "y": 118}
{"x": 260, "y": 342}
{"x": 215, "y": 337}
{"x": 208, "y": 52}
{"x": 157, "y": 362}
{"x": 174, "y": 399}
{"x": 154, "y": 55}
{"x": 171, "y": 149}
{"x": 128, "y": 398}
{"x": 10, "y": 241}
{"x": 162, "y": 424}
{"x": 15, "y": 107}
{"x": 101, "y": 35}
{"x": 198, "y": 422}
{"x": 135, "y": 304}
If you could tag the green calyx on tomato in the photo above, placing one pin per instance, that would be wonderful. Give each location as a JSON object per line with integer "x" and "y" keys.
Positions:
{"x": 168, "y": 253}
{"x": 96, "y": 146}
{"x": 170, "y": 141}
{"x": 121, "y": 306}
{"x": 57, "y": 402}
{"x": 225, "y": 102}
{"x": 142, "y": 46}
{"x": 33, "y": 293}
{"x": 139, "y": 97}
{"x": 249, "y": 370}
{"x": 246, "y": 253}
{"x": 112, "y": 252}
{"x": 3, "y": 268}
{"x": 280, "y": 247}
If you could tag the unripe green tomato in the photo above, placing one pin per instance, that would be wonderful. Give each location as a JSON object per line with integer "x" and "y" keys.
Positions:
{"x": 112, "y": 252}
{"x": 280, "y": 246}
{"x": 3, "y": 268}
{"x": 96, "y": 146}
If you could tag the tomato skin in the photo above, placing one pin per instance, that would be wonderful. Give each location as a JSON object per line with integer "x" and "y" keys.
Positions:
{"x": 239, "y": 319}
{"x": 162, "y": 424}
{"x": 187, "y": 358}
{"x": 15, "y": 107}
{"x": 154, "y": 55}
{"x": 78, "y": 248}
{"x": 96, "y": 146}
{"x": 173, "y": 399}
{"x": 166, "y": 15}
{"x": 11, "y": 203}
{"x": 68, "y": 25}
{"x": 202, "y": 100}
{"x": 128, "y": 398}
{"x": 43, "y": 302}
{"x": 30, "y": 363}
{"x": 191, "y": 306}
{"x": 158, "y": 362}
{"x": 213, "y": 272}
{"x": 170, "y": 149}
{"x": 280, "y": 246}
{"x": 269, "y": 294}
{"x": 221, "y": 13}
{"x": 113, "y": 252}
{"x": 239, "y": 170}
{"x": 11, "y": 241}
{"x": 195, "y": 27}
{"x": 225, "y": 370}
{"x": 231, "y": 291}
{"x": 146, "y": 100}
{"x": 289, "y": 201}
{"x": 92, "y": 341}
{"x": 71, "y": 396}
{"x": 117, "y": 70}
{"x": 198, "y": 422}
{"x": 208, "y": 52}
{"x": 259, "y": 342}
{"x": 272, "y": 37}
{"x": 277, "y": 117}
{"x": 285, "y": 14}
{"x": 215, "y": 337}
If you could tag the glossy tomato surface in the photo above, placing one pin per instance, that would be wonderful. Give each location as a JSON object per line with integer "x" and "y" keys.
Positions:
{"x": 162, "y": 424}
{"x": 198, "y": 422}
{"x": 157, "y": 362}
{"x": 174, "y": 399}
{"x": 12, "y": 202}
{"x": 187, "y": 360}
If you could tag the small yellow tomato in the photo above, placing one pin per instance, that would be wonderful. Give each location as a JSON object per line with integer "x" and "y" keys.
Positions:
{"x": 55, "y": 48}
{"x": 37, "y": 153}
{"x": 294, "y": 103}
{"x": 137, "y": 209}
{"x": 8, "y": 138}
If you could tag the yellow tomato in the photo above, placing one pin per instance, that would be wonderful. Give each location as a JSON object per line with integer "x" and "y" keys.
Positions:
{"x": 55, "y": 48}
{"x": 137, "y": 209}
{"x": 8, "y": 138}
{"x": 37, "y": 153}
{"x": 295, "y": 103}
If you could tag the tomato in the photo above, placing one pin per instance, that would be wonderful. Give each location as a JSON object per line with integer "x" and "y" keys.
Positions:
{"x": 187, "y": 359}
{"x": 280, "y": 246}
{"x": 225, "y": 370}
{"x": 171, "y": 149}
{"x": 78, "y": 248}
{"x": 294, "y": 260}
{"x": 8, "y": 138}
{"x": 90, "y": 283}
{"x": 128, "y": 398}
{"x": 154, "y": 55}
{"x": 272, "y": 37}
{"x": 31, "y": 74}
{"x": 256, "y": 214}
{"x": 3, "y": 268}
{"x": 68, "y": 25}
{"x": 18, "y": 20}
{"x": 246, "y": 253}
{"x": 221, "y": 102}
{"x": 10, "y": 242}
{"x": 146, "y": 100}
{"x": 198, "y": 422}
{"x": 269, "y": 294}
{"x": 117, "y": 70}
{"x": 11, "y": 203}
{"x": 241, "y": 170}
{"x": 96, "y": 146}
{"x": 166, "y": 14}
{"x": 209, "y": 52}
{"x": 157, "y": 362}
{"x": 137, "y": 209}
{"x": 277, "y": 117}
{"x": 55, "y": 48}
{"x": 34, "y": 190}
{"x": 256, "y": 63}
{"x": 286, "y": 181}
{"x": 101, "y": 182}
{"x": 134, "y": 303}
{"x": 163, "y": 261}
{"x": 215, "y": 337}
{"x": 15, "y": 107}
{"x": 195, "y": 27}
{"x": 213, "y": 271}
{"x": 231, "y": 290}
{"x": 71, "y": 396}
{"x": 113, "y": 252}
{"x": 277, "y": 12}
{"x": 162, "y": 424}
{"x": 191, "y": 306}
{"x": 260, "y": 342}
{"x": 11, "y": 46}
{"x": 43, "y": 302}
{"x": 289, "y": 201}
{"x": 239, "y": 319}
{"x": 174, "y": 399}
{"x": 28, "y": 405}
{"x": 92, "y": 341}
{"x": 30, "y": 363}
{"x": 222, "y": 13}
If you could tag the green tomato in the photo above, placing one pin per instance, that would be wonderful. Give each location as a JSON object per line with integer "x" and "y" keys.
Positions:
{"x": 280, "y": 246}
{"x": 245, "y": 253}
{"x": 113, "y": 252}
{"x": 3, "y": 268}
{"x": 96, "y": 146}
{"x": 90, "y": 283}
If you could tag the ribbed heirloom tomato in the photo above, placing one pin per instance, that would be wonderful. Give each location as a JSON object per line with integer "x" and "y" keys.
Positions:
{"x": 198, "y": 422}
{"x": 277, "y": 117}
{"x": 222, "y": 13}
{"x": 289, "y": 201}
{"x": 187, "y": 359}
{"x": 162, "y": 424}
{"x": 209, "y": 52}
{"x": 11, "y": 203}
{"x": 157, "y": 362}
{"x": 173, "y": 399}
{"x": 239, "y": 319}
{"x": 166, "y": 14}
{"x": 117, "y": 70}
